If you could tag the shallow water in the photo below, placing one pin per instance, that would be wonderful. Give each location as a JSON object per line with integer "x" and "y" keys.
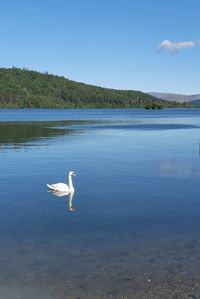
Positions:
{"x": 132, "y": 229}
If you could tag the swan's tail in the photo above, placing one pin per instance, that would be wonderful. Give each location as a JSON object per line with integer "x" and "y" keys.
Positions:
{"x": 50, "y": 187}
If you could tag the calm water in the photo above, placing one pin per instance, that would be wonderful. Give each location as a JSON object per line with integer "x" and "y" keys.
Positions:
{"x": 132, "y": 228}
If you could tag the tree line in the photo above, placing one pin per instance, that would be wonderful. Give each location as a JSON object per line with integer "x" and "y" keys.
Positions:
{"x": 22, "y": 88}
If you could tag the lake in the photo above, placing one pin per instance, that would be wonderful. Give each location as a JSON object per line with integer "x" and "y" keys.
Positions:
{"x": 132, "y": 227}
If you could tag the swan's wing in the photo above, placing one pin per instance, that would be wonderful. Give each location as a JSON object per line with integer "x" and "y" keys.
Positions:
{"x": 58, "y": 187}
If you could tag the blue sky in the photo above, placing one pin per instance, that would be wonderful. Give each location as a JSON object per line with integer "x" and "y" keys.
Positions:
{"x": 140, "y": 45}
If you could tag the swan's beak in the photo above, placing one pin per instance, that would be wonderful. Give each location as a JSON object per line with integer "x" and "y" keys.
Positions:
{"x": 73, "y": 174}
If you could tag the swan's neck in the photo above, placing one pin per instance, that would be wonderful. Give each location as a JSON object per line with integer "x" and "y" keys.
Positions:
{"x": 71, "y": 187}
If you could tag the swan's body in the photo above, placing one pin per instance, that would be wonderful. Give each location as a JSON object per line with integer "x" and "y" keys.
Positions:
{"x": 60, "y": 187}
{"x": 63, "y": 187}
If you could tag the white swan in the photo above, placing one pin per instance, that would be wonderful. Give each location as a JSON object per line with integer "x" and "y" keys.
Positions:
{"x": 63, "y": 187}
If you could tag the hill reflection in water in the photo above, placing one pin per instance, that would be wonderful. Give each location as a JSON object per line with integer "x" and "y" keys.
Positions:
{"x": 21, "y": 134}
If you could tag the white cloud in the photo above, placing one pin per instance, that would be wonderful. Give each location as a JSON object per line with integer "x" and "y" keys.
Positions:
{"x": 175, "y": 47}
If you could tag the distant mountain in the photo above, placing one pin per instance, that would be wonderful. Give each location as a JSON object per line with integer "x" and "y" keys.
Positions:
{"x": 22, "y": 88}
{"x": 195, "y": 102}
{"x": 180, "y": 98}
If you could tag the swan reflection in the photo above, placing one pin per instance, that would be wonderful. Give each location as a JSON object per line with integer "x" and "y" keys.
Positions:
{"x": 59, "y": 193}
{"x": 70, "y": 195}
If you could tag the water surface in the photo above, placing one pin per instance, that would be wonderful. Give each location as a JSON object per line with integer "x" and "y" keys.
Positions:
{"x": 131, "y": 229}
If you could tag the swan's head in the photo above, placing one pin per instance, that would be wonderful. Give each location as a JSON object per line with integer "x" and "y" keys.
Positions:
{"x": 72, "y": 173}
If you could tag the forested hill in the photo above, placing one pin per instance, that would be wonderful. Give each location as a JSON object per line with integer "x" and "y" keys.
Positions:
{"x": 21, "y": 88}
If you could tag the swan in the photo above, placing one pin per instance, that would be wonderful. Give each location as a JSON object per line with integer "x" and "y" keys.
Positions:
{"x": 63, "y": 187}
